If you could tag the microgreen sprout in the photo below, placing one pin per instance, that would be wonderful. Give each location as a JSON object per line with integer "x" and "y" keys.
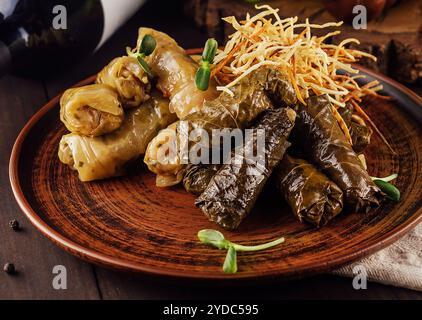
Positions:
{"x": 389, "y": 189}
{"x": 216, "y": 239}
{"x": 146, "y": 47}
{"x": 203, "y": 74}
{"x": 388, "y": 178}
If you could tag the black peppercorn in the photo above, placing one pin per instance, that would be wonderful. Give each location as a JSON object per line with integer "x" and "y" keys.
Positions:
{"x": 9, "y": 268}
{"x": 14, "y": 224}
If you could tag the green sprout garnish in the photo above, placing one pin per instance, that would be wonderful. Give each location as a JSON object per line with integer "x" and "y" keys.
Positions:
{"x": 202, "y": 77}
{"x": 389, "y": 189}
{"x": 147, "y": 47}
{"x": 216, "y": 239}
{"x": 388, "y": 178}
{"x": 230, "y": 263}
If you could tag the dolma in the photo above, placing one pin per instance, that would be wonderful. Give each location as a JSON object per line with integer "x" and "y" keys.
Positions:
{"x": 327, "y": 147}
{"x": 175, "y": 71}
{"x": 106, "y": 156}
{"x": 234, "y": 189}
{"x": 91, "y": 110}
{"x": 198, "y": 176}
{"x": 250, "y": 98}
{"x": 128, "y": 79}
{"x": 311, "y": 195}
{"x": 360, "y": 133}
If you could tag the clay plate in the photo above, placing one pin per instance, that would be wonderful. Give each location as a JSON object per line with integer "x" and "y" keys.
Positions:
{"x": 127, "y": 223}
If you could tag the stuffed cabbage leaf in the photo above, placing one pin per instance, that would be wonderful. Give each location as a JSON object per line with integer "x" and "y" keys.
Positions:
{"x": 128, "y": 79}
{"x": 176, "y": 71}
{"x": 318, "y": 132}
{"x": 106, "y": 156}
{"x": 91, "y": 110}
{"x": 234, "y": 189}
{"x": 311, "y": 195}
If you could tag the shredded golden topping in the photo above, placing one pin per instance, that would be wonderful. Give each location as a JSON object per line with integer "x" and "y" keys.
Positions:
{"x": 311, "y": 64}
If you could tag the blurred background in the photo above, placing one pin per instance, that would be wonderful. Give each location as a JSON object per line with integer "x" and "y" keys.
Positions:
{"x": 39, "y": 58}
{"x": 393, "y": 31}
{"x": 38, "y": 37}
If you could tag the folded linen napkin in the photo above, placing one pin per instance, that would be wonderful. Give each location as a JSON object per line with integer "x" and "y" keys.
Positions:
{"x": 399, "y": 265}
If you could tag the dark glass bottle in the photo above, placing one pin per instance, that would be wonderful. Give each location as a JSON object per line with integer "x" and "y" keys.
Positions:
{"x": 40, "y": 36}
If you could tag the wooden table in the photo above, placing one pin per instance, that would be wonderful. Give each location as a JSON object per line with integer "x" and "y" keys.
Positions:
{"x": 35, "y": 256}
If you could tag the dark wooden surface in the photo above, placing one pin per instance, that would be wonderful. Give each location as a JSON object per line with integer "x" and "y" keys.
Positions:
{"x": 35, "y": 256}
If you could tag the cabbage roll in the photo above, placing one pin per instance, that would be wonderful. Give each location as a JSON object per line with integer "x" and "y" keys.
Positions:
{"x": 128, "y": 79}
{"x": 91, "y": 110}
{"x": 360, "y": 133}
{"x": 250, "y": 98}
{"x": 327, "y": 147}
{"x": 198, "y": 176}
{"x": 106, "y": 156}
{"x": 176, "y": 74}
{"x": 311, "y": 195}
{"x": 234, "y": 189}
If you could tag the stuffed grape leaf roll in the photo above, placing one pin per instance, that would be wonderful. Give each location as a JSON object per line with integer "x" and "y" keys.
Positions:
{"x": 234, "y": 189}
{"x": 321, "y": 137}
{"x": 198, "y": 176}
{"x": 249, "y": 99}
{"x": 106, "y": 156}
{"x": 91, "y": 110}
{"x": 360, "y": 133}
{"x": 128, "y": 79}
{"x": 311, "y": 195}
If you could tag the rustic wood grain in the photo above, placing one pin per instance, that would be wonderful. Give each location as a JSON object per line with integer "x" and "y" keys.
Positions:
{"x": 33, "y": 256}
{"x": 130, "y": 224}
{"x": 394, "y": 38}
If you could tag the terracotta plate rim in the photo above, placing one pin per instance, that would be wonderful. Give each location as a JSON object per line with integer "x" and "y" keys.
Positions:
{"x": 122, "y": 264}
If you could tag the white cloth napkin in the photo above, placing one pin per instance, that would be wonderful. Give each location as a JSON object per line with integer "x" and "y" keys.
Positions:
{"x": 399, "y": 265}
